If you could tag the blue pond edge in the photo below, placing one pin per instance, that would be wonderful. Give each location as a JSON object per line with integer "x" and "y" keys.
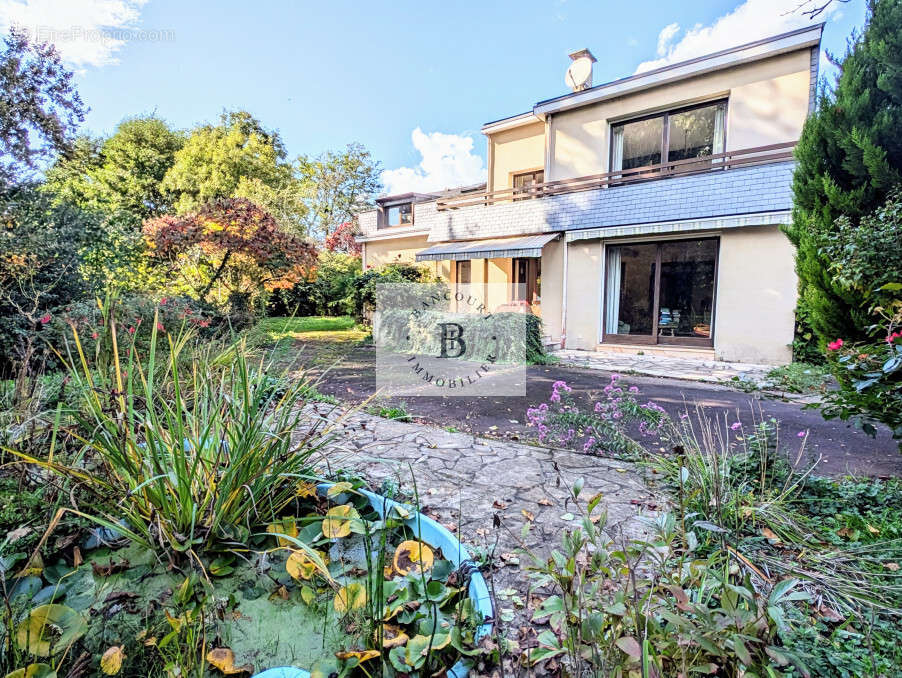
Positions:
{"x": 437, "y": 536}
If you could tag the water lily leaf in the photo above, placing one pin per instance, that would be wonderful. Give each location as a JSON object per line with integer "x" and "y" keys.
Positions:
{"x": 339, "y": 488}
{"x": 111, "y": 661}
{"x": 300, "y": 565}
{"x": 360, "y": 655}
{"x": 223, "y": 658}
{"x": 411, "y": 556}
{"x": 325, "y": 667}
{"x": 416, "y": 651}
{"x": 286, "y": 526}
{"x": 33, "y": 671}
{"x": 50, "y": 629}
{"x": 351, "y": 596}
{"x": 437, "y": 592}
{"x": 393, "y": 636}
{"x": 442, "y": 569}
{"x": 440, "y": 641}
{"x": 398, "y": 659}
{"x": 337, "y": 523}
{"x": 308, "y": 595}
{"x": 26, "y": 587}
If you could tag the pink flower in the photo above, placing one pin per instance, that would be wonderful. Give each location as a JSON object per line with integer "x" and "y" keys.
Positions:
{"x": 891, "y": 337}
{"x": 835, "y": 345}
{"x": 736, "y": 426}
{"x": 163, "y": 301}
{"x": 802, "y": 434}
{"x": 160, "y": 327}
{"x": 45, "y": 318}
{"x": 93, "y": 335}
{"x": 131, "y": 330}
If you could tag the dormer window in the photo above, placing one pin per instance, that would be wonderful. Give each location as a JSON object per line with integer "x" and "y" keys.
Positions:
{"x": 399, "y": 215}
{"x": 682, "y": 134}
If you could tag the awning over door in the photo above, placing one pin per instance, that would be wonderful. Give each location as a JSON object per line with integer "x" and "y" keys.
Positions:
{"x": 499, "y": 248}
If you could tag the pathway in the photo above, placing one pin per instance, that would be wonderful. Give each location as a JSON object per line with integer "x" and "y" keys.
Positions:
{"x": 464, "y": 482}
{"x": 674, "y": 367}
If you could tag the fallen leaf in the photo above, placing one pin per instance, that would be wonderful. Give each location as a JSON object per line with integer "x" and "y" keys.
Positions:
{"x": 360, "y": 655}
{"x": 872, "y": 529}
{"x": 352, "y": 596}
{"x": 530, "y": 516}
{"x": 412, "y": 556}
{"x": 770, "y": 535}
{"x": 892, "y": 567}
{"x": 629, "y": 645}
{"x": 111, "y": 661}
{"x": 15, "y": 535}
{"x": 223, "y": 658}
{"x": 545, "y": 501}
{"x": 498, "y": 504}
{"x": 112, "y": 568}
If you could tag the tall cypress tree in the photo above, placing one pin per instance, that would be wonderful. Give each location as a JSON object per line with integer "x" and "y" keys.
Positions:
{"x": 849, "y": 159}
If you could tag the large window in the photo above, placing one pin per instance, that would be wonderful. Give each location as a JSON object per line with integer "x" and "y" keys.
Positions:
{"x": 660, "y": 293}
{"x": 399, "y": 215}
{"x": 685, "y": 134}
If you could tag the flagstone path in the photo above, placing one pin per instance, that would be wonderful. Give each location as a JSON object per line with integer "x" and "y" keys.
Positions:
{"x": 464, "y": 482}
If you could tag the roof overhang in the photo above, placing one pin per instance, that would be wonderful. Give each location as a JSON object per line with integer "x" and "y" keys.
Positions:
{"x": 392, "y": 233}
{"x": 498, "y": 248}
{"x": 512, "y": 122}
{"x": 728, "y": 58}
{"x": 777, "y": 218}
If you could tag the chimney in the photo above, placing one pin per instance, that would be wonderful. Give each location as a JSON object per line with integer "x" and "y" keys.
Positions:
{"x": 579, "y": 74}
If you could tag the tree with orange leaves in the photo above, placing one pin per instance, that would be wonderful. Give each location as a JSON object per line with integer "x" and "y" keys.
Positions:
{"x": 230, "y": 250}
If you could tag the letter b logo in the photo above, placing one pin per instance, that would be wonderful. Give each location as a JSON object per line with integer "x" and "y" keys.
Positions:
{"x": 452, "y": 337}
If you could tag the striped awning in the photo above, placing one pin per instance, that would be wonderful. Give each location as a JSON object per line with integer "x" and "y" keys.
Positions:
{"x": 499, "y": 248}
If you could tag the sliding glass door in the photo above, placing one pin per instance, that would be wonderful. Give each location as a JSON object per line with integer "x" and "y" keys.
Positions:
{"x": 660, "y": 293}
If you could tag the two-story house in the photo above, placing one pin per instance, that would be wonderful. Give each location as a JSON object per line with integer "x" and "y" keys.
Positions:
{"x": 642, "y": 214}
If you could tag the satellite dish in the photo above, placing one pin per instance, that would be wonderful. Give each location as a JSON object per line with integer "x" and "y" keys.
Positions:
{"x": 579, "y": 74}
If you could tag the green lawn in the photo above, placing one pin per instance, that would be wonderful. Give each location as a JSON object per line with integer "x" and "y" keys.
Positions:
{"x": 319, "y": 340}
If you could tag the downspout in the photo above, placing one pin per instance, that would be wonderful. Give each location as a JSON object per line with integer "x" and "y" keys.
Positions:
{"x": 363, "y": 257}
{"x": 564, "y": 300}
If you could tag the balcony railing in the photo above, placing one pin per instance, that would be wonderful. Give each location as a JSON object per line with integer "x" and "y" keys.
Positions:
{"x": 717, "y": 162}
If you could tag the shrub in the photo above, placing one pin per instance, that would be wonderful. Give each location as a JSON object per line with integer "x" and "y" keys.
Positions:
{"x": 870, "y": 376}
{"x": 330, "y": 292}
{"x": 849, "y": 160}
{"x": 601, "y": 429}
{"x": 188, "y": 457}
{"x": 364, "y": 294}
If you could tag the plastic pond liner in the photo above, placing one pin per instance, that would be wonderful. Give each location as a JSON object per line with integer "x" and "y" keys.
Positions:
{"x": 437, "y": 536}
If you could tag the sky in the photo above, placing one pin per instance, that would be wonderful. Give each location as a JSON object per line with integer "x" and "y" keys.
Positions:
{"x": 413, "y": 81}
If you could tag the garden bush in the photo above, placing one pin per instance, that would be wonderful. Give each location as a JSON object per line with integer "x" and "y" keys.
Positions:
{"x": 364, "y": 294}
{"x": 331, "y": 292}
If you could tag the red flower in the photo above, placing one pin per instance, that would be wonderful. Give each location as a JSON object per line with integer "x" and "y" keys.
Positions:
{"x": 131, "y": 330}
{"x": 892, "y": 337}
{"x": 94, "y": 335}
{"x": 45, "y": 318}
{"x": 835, "y": 345}
{"x": 160, "y": 327}
{"x": 163, "y": 301}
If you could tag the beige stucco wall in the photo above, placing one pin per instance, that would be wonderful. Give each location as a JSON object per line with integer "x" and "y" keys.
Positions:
{"x": 515, "y": 150}
{"x": 767, "y": 104}
{"x": 401, "y": 250}
{"x": 583, "y": 293}
{"x": 756, "y": 296}
{"x": 552, "y": 288}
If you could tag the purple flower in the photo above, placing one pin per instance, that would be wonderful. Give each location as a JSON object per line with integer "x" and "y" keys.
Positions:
{"x": 736, "y": 426}
{"x": 802, "y": 434}
{"x": 634, "y": 389}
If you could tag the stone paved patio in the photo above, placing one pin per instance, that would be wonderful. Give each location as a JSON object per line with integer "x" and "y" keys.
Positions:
{"x": 674, "y": 367}
{"x": 464, "y": 481}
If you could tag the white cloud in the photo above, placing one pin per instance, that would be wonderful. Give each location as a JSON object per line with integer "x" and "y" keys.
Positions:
{"x": 447, "y": 162}
{"x": 85, "y": 32}
{"x": 752, "y": 20}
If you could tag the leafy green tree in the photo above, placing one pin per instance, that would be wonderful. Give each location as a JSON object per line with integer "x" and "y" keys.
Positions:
{"x": 340, "y": 186}
{"x": 42, "y": 252}
{"x": 123, "y": 173}
{"x": 39, "y": 107}
{"x": 849, "y": 159}
{"x": 215, "y": 159}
